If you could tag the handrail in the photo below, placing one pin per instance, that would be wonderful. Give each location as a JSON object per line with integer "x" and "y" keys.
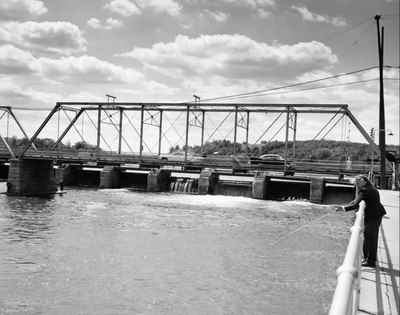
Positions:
{"x": 347, "y": 293}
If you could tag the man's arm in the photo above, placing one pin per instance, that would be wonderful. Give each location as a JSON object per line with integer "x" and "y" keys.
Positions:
{"x": 354, "y": 204}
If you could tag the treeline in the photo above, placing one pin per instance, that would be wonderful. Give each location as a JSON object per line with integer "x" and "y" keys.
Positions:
{"x": 48, "y": 144}
{"x": 305, "y": 150}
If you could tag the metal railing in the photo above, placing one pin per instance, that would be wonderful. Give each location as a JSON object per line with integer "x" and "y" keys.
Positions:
{"x": 347, "y": 293}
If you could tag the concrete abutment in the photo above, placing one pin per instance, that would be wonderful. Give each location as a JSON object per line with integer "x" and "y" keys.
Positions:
{"x": 31, "y": 177}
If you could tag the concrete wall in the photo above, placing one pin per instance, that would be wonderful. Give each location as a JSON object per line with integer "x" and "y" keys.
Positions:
{"x": 31, "y": 178}
{"x": 265, "y": 187}
{"x": 136, "y": 181}
{"x": 74, "y": 175}
{"x": 233, "y": 189}
{"x": 338, "y": 195}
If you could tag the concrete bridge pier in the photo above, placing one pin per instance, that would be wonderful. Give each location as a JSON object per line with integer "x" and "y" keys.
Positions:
{"x": 158, "y": 180}
{"x": 207, "y": 181}
{"x": 109, "y": 177}
{"x": 260, "y": 185}
{"x": 317, "y": 187}
{"x": 31, "y": 177}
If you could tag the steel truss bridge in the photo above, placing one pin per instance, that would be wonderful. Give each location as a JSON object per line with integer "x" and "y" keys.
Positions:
{"x": 195, "y": 117}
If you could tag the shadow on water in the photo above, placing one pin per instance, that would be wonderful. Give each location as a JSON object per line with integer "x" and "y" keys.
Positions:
{"x": 29, "y": 217}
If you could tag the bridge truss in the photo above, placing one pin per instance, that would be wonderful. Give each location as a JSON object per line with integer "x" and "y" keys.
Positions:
{"x": 7, "y": 117}
{"x": 152, "y": 114}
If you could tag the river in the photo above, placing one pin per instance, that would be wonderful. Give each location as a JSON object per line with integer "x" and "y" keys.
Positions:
{"x": 122, "y": 252}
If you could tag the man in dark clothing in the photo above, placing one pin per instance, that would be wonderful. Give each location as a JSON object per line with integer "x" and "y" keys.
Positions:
{"x": 374, "y": 211}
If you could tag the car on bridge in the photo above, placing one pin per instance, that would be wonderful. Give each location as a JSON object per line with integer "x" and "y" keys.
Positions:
{"x": 273, "y": 162}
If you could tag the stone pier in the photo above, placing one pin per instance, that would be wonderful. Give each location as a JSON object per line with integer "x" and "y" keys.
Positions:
{"x": 109, "y": 177}
{"x": 260, "y": 186}
{"x": 158, "y": 180}
{"x": 207, "y": 181}
{"x": 317, "y": 187}
{"x": 30, "y": 177}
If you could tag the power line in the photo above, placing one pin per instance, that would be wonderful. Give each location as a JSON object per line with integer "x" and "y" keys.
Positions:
{"x": 291, "y": 85}
{"x": 313, "y": 88}
{"x": 252, "y": 92}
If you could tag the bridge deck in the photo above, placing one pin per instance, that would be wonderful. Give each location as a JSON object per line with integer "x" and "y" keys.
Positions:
{"x": 240, "y": 164}
{"x": 380, "y": 286}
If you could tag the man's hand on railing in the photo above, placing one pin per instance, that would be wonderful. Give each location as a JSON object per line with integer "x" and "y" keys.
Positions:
{"x": 339, "y": 208}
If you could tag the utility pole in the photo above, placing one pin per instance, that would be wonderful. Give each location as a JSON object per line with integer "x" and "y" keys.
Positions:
{"x": 382, "y": 140}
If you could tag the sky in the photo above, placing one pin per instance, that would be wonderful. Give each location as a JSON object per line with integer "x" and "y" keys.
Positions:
{"x": 168, "y": 50}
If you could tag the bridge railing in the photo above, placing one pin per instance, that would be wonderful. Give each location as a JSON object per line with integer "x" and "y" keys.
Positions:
{"x": 347, "y": 293}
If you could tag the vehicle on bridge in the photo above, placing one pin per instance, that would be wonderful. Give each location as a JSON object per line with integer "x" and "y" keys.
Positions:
{"x": 275, "y": 162}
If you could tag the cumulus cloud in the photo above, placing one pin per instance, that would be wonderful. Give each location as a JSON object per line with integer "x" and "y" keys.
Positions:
{"x": 16, "y": 61}
{"x": 262, "y": 13}
{"x": 123, "y": 7}
{"x": 217, "y": 15}
{"x": 20, "y": 9}
{"x": 52, "y": 37}
{"x": 14, "y": 93}
{"x": 250, "y": 3}
{"x": 66, "y": 69}
{"x": 88, "y": 68}
{"x": 109, "y": 24}
{"x": 128, "y": 7}
{"x": 233, "y": 56}
{"x": 307, "y": 15}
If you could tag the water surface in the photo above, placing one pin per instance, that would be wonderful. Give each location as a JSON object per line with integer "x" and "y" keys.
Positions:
{"x": 121, "y": 252}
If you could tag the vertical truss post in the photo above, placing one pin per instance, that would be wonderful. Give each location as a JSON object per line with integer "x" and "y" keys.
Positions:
{"x": 98, "y": 127}
{"x": 141, "y": 130}
{"x": 187, "y": 131}
{"x": 286, "y": 136}
{"x": 247, "y": 130}
{"x": 160, "y": 132}
{"x": 8, "y": 123}
{"x": 203, "y": 115}
{"x": 235, "y": 131}
{"x": 294, "y": 135}
{"x": 121, "y": 115}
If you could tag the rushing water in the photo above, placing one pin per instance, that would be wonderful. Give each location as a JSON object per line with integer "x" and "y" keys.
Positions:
{"x": 122, "y": 252}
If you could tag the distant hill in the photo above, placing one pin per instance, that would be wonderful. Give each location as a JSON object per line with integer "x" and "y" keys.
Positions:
{"x": 305, "y": 150}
